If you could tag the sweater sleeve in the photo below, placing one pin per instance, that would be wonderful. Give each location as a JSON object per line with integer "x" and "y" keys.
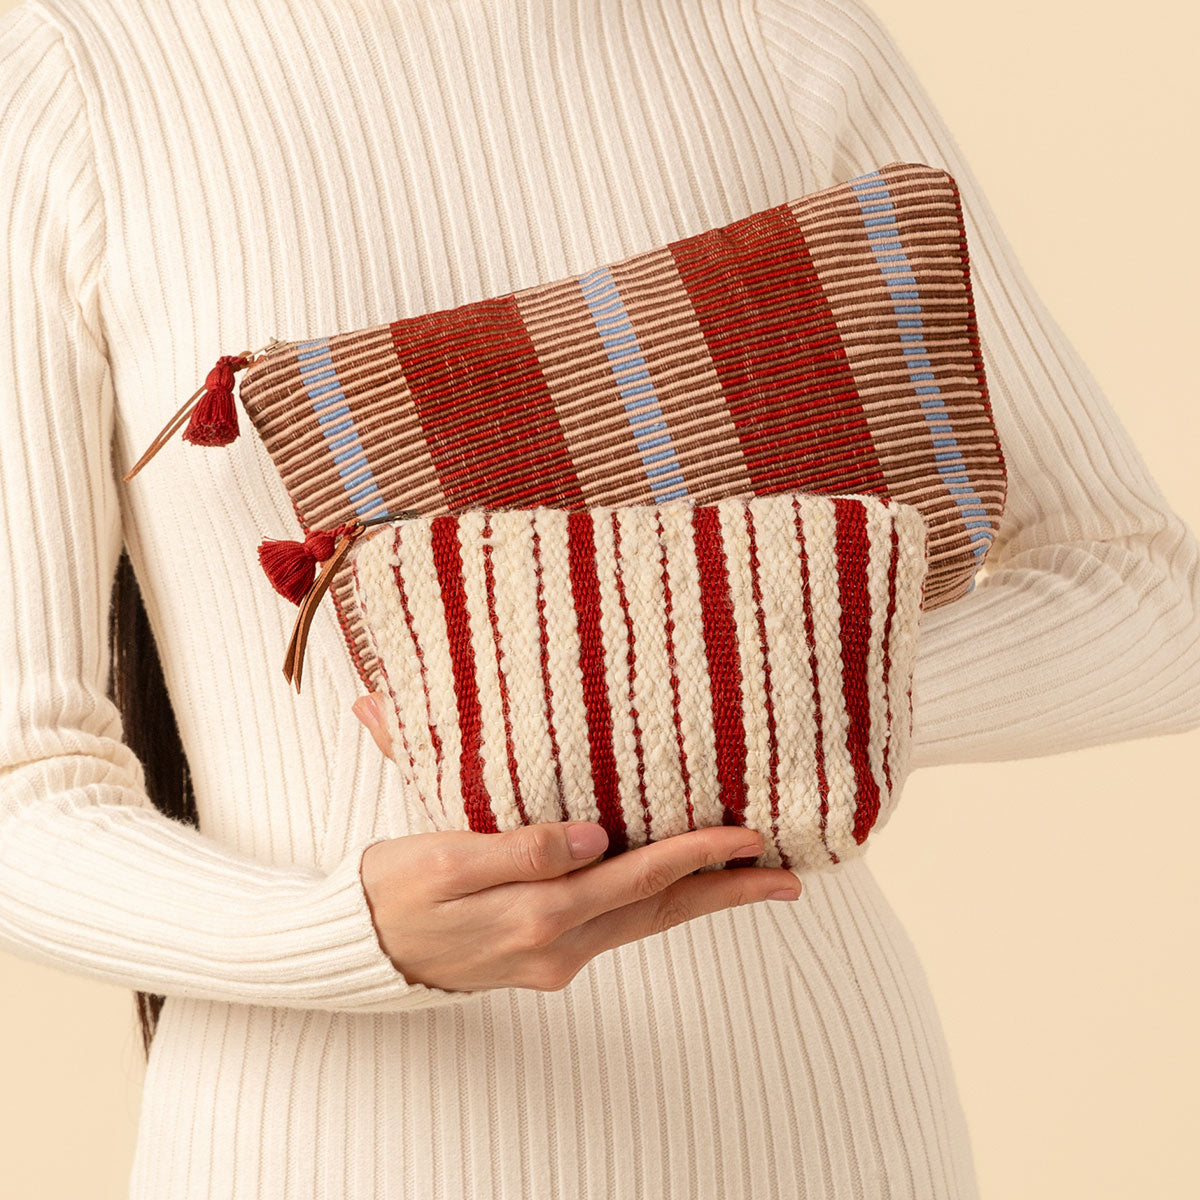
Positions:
{"x": 93, "y": 878}
{"x": 1084, "y": 624}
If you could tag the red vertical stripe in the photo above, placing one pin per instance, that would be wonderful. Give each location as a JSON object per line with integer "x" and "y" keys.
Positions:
{"x": 585, "y": 591}
{"x": 480, "y": 395}
{"x": 724, "y": 667}
{"x": 791, "y": 393}
{"x": 853, "y": 549}
{"x": 447, "y": 557}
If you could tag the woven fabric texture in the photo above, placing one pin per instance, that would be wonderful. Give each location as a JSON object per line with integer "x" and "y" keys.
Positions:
{"x": 826, "y": 345}
{"x": 656, "y": 668}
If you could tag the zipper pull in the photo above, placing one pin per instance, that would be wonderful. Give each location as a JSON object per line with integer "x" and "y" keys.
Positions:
{"x": 293, "y": 659}
{"x": 290, "y": 565}
{"x": 211, "y": 408}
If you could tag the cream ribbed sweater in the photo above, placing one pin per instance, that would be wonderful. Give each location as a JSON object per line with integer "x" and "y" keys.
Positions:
{"x": 186, "y": 179}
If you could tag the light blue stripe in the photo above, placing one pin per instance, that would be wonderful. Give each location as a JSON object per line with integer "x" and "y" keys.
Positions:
{"x": 870, "y": 187}
{"x": 319, "y": 377}
{"x": 628, "y": 366}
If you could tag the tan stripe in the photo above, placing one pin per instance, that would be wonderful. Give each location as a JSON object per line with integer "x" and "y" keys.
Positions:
{"x": 683, "y": 377}
{"x": 580, "y": 380}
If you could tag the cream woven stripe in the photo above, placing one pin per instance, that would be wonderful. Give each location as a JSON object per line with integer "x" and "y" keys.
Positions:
{"x": 691, "y": 665}
{"x": 566, "y": 678}
{"x": 879, "y": 534}
{"x": 791, "y": 679}
{"x": 654, "y": 696}
{"x": 817, "y": 529}
{"x": 414, "y": 554}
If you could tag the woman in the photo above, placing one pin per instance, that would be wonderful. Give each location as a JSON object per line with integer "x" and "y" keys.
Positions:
{"x": 180, "y": 180}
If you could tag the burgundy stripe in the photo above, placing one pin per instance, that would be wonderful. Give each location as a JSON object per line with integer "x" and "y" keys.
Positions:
{"x": 777, "y": 352}
{"x": 768, "y": 697}
{"x": 544, "y": 662}
{"x": 447, "y": 557}
{"x": 724, "y": 668}
{"x": 811, "y": 638}
{"x": 673, "y": 669}
{"x": 853, "y": 550}
{"x": 585, "y": 591}
{"x": 631, "y": 667}
{"x": 489, "y": 579}
{"x": 487, "y": 415}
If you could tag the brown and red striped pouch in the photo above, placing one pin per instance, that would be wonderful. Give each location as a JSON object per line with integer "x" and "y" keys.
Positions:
{"x": 826, "y": 345}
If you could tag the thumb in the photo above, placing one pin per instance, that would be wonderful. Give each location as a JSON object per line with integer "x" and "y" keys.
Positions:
{"x": 542, "y": 851}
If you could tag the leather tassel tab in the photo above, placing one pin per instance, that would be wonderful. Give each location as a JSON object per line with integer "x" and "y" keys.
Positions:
{"x": 210, "y": 411}
{"x": 293, "y": 660}
{"x": 293, "y": 563}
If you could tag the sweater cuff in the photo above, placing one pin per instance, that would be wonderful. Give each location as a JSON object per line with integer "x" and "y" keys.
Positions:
{"x": 346, "y": 967}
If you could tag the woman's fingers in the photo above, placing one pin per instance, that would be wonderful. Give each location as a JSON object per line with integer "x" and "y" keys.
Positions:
{"x": 473, "y": 862}
{"x": 468, "y": 911}
{"x": 367, "y": 709}
{"x": 649, "y": 872}
{"x": 687, "y": 898}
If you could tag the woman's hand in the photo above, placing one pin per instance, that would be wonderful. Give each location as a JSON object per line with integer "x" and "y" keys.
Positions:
{"x": 529, "y": 907}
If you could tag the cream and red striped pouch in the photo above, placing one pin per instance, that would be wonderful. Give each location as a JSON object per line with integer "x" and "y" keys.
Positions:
{"x": 654, "y": 667}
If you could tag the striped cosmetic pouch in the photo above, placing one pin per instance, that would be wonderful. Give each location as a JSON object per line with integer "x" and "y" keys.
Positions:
{"x": 826, "y": 345}
{"x": 655, "y": 667}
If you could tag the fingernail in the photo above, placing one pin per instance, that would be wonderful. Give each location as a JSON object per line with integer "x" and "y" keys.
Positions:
{"x": 367, "y": 710}
{"x": 785, "y": 894}
{"x": 586, "y": 840}
{"x": 753, "y": 850}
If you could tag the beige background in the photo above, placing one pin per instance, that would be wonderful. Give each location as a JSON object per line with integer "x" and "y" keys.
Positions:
{"x": 1067, "y": 980}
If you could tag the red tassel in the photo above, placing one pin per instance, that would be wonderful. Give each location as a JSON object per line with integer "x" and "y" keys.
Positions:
{"x": 214, "y": 420}
{"x": 213, "y": 414}
{"x": 292, "y": 566}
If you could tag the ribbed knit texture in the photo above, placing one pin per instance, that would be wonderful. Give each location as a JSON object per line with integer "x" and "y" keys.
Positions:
{"x": 181, "y": 180}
